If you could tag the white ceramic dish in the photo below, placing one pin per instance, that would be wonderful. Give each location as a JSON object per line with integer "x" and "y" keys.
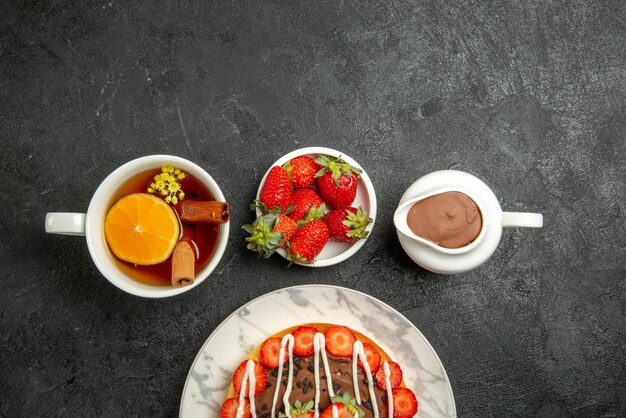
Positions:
{"x": 400, "y": 216}
{"x": 334, "y": 252}
{"x": 453, "y": 261}
{"x": 210, "y": 374}
{"x": 91, "y": 225}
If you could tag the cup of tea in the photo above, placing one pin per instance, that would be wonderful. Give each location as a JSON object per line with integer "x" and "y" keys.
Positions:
{"x": 156, "y": 227}
{"x": 450, "y": 221}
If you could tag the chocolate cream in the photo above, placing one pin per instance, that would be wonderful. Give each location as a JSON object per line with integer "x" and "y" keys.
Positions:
{"x": 450, "y": 219}
{"x": 303, "y": 386}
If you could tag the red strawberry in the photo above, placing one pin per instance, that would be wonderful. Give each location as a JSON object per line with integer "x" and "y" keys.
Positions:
{"x": 340, "y": 341}
{"x": 302, "y": 201}
{"x": 395, "y": 376}
{"x": 259, "y": 377}
{"x": 342, "y": 409}
{"x": 229, "y": 408}
{"x": 347, "y": 225}
{"x": 303, "y": 341}
{"x": 302, "y": 171}
{"x": 300, "y": 410}
{"x": 269, "y": 232}
{"x": 337, "y": 181}
{"x": 286, "y": 226}
{"x": 404, "y": 403}
{"x": 308, "y": 242}
{"x": 373, "y": 358}
{"x": 276, "y": 189}
{"x": 270, "y": 353}
{"x": 307, "y": 414}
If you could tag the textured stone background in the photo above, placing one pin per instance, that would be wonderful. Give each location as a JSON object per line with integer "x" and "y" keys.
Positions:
{"x": 529, "y": 96}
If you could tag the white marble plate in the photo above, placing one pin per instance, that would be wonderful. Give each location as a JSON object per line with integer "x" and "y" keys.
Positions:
{"x": 209, "y": 377}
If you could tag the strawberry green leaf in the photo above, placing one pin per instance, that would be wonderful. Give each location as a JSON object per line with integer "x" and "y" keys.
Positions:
{"x": 298, "y": 408}
{"x": 257, "y": 204}
{"x": 321, "y": 172}
{"x": 262, "y": 237}
{"x": 349, "y": 403}
{"x": 357, "y": 222}
{"x": 297, "y": 258}
{"x": 288, "y": 168}
{"x": 336, "y": 166}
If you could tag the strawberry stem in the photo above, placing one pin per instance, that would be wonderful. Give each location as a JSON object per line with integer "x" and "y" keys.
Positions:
{"x": 337, "y": 167}
{"x": 262, "y": 237}
{"x": 315, "y": 212}
{"x": 357, "y": 222}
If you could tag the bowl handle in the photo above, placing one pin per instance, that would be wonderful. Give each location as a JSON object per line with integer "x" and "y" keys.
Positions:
{"x": 522, "y": 219}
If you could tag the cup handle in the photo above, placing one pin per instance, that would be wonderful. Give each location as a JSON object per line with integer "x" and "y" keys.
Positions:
{"x": 65, "y": 223}
{"x": 522, "y": 219}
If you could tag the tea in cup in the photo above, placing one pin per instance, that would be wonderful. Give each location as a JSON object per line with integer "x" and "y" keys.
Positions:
{"x": 155, "y": 227}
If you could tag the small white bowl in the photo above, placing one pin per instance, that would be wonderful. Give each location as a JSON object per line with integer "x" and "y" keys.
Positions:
{"x": 334, "y": 252}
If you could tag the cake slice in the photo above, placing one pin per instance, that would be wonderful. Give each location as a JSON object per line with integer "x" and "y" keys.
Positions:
{"x": 319, "y": 370}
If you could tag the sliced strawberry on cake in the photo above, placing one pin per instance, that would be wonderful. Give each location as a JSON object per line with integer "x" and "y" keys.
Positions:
{"x": 270, "y": 353}
{"x": 342, "y": 411}
{"x": 259, "y": 377}
{"x": 346, "y": 407}
{"x": 303, "y": 341}
{"x": 340, "y": 341}
{"x": 404, "y": 403}
{"x": 229, "y": 408}
{"x": 395, "y": 377}
{"x": 373, "y": 358}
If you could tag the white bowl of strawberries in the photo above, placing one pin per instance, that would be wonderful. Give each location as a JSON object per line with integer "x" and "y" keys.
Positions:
{"x": 315, "y": 207}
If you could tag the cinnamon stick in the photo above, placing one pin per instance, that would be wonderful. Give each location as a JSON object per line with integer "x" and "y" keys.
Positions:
{"x": 184, "y": 258}
{"x": 196, "y": 211}
{"x": 183, "y": 265}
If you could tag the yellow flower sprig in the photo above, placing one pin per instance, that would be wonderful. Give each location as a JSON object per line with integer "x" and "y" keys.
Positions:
{"x": 167, "y": 184}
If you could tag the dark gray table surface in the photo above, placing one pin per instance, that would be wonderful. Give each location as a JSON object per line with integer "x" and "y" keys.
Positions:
{"x": 528, "y": 96}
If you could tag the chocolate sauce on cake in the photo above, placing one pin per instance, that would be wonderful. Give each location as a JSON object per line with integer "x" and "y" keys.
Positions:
{"x": 303, "y": 386}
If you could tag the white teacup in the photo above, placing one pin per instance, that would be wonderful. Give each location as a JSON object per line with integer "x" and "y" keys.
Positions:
{"x": 457, "y": 260}
{"x": 91, "y": 225}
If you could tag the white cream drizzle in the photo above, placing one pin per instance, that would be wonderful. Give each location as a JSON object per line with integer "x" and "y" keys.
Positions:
{"x": 335, "y": 412}
{"x": 359, "y": 352}
{"x": 387, "y": 372}
{"x": 286, "y": 341}
{"x": 319, "y": 346}
{"x": 248, "y": 380}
